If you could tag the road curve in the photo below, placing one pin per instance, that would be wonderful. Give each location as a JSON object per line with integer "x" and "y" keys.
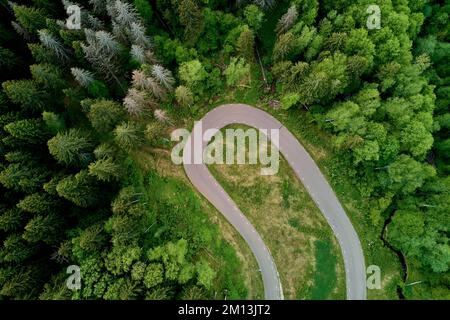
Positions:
{"x": 305, "y": 169}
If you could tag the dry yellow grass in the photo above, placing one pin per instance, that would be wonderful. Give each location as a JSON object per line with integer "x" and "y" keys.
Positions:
{"x": 287, "y": 219}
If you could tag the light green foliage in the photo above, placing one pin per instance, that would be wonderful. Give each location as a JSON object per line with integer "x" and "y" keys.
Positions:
{"x": 125, "y": 199}
{"x": 128, "y": 136}
{"x": 38, "y": 203}
{"x": 154, "y": 131}
{"x": 254, "y": 17}
{"x": 31, "y": 19}
{"x": 407, "y": 226}
{"x": 192, "y": 73}
{"x": 95, "y": 278}
{"x": 284, "y": 46}
{"x": 138, "y": 271}
{"x": 237, "y": 72}
{"x": 120, "y": 289}
{"x": 406, "y": 174}
{"x": 105, "y": 169}
{"x": 69, "y": 147}
{"x": 173, "y": 257}
{"x": 314, "y": 47}
{"x": 205, "y": 274}
{"x": 289, "y": 100}
{"x": 121, "y": 259}
{"x": 153, "y": 275}
{"x": 93, "y": 238}
{"x": 368, "y": 151}
{"x": 359, "y": 43}
{"x": 416, "y": 139}
{"x": 417, "y": 224}
{"x": 25, "y": 93}
{"x": 345, "y": 117}
{"x": 193, "y": 293}
{"x": 184, "y": 96}
{"x": 305, "y": 38}
{"x": 325, "y": 80}
{"x": 29, "y": 130}
{"x": 79, "y": 189}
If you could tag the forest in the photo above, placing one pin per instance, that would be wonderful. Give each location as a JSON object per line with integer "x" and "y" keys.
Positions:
{"x": 81, "y": 107}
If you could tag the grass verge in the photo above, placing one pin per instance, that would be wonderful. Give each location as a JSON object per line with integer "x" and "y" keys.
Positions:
{"x": 292, "y": 227}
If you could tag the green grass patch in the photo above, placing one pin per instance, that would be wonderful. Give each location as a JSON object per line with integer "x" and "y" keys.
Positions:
{"x": 325, "y": 273}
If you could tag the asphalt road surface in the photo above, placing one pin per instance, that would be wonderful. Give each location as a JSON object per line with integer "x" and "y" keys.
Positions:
{"x": 309, "y": 174}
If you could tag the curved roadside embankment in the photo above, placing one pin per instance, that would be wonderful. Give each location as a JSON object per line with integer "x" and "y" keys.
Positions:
{"x": 309, "y": 174}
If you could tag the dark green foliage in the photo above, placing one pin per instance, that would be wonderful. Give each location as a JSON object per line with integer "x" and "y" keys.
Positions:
{"x": 79, "y": 188}
{"x": 25, "y": 93}
{"x": 45, "y": 228}
{"x": 15, "y": 249}
{"x": 54, "y": 122}
{"x": 38, "y": 203}
{"x": 7, "y": 59}
{"x": 23, "y": 177}
{"x": 191, "y": 18}
{"x": 11, "y": 219}
{"x": 98, "y": 89}
{"x": 145, "y": 11}
{"x": 73, "y": 192}
{"x": 43, "y": 218}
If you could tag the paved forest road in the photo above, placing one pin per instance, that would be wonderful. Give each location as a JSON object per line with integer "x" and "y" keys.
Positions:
{"x": 311, "y": 177}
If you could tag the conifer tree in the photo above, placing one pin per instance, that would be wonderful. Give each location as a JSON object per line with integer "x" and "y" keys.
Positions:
{"x": 128, "y": 136}
{"x": 70, "y": 147}
{"x": 104, "y": 169}
{"x": 79, "y": 188}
